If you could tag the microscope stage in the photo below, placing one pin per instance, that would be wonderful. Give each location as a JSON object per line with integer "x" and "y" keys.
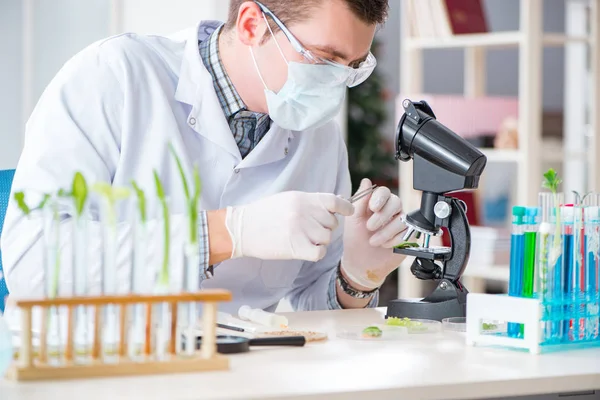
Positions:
{"x": 428, "y": 253}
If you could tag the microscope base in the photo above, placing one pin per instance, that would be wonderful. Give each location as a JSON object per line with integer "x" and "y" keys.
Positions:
{"x": 445, "y": 301}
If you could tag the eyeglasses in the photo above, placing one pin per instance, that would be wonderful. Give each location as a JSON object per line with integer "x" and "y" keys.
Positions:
{"x": 354, "y": 76}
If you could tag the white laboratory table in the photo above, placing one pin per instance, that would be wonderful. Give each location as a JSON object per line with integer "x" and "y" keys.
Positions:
{"x": 422, "y": 367}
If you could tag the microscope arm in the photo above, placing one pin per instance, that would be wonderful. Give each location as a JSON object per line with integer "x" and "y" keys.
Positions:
{"x": 460, "y": 239}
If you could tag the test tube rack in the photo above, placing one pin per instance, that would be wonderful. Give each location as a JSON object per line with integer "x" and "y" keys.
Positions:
{"x": 32, "y": 364}
{"x": 580, "y": 319}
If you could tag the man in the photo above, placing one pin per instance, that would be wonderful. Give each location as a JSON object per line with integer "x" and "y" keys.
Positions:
{"x": 251, "y": 103}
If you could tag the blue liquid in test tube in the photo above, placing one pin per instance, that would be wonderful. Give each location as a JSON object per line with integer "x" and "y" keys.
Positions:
{"x": 579, "y": 272}
{"x": 567, "y": 270}
{"x": 549, "y": 265}
{"x": 592, "y": 244}
{"x": 517, "y": 256}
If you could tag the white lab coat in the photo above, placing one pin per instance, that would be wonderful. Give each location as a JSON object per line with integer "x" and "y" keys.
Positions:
{"x": 110, "y": 113}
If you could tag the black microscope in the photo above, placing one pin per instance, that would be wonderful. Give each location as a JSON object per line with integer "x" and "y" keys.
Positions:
{"x": 443, "y": 163}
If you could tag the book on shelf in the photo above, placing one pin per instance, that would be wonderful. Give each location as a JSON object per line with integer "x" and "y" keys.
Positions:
{"x": 444, "y": 18}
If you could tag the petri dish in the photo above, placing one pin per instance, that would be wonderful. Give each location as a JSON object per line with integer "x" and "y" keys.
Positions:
{"x": 387, "y": 333}
{"x": 459, "y": 324}
{"x": 454, "y": 324}
{"x": 416, "y": 326}
{"x": 392, "y": 332}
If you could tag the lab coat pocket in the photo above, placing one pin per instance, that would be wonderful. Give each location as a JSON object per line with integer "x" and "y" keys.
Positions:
{"x": 279, "y": 274}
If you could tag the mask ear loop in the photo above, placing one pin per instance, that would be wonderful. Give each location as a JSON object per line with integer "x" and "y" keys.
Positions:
{"x": 278, "y": 47}
{"x": 257, "y": 69}
{"x": 275, "y": 39}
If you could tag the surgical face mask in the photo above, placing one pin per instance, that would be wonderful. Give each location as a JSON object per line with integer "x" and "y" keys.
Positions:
{"x": 312, "y": 95}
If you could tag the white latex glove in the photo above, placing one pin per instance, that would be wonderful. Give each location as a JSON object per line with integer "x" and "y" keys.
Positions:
{"x": 286, "y": 226}
{"x": 369, "y": 236}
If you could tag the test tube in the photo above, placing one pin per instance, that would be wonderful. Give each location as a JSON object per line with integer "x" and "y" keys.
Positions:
{"x": 139, "y": 283}
{"x": 567, "y": 269}
{"x": 531, "y": 228}
{"x": 52, "y": 260}
{"x": 549, "y": 263}
{"x": 595, "y": 304}
{"x": 162, "y": 311}
{"x": 578, "y": 282}
{"x": 191, "y": 279}
{"x": 110, "y": 327}
{"x": 592, "y": 245}
{"x": 82, "y": 321}
{"x": 517, "y": 247}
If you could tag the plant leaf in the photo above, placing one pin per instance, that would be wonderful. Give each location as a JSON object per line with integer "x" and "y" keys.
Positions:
{"x": 103, "y": 189}
{"x": 551, "y": 180}
{"x": 121, "y": 193}
{"x": 141, "y": 200}
{"x": 186, "y": 188}
{"x": 197, "y": 184}
{"x": 159, "y": 189}
{"x": 79, "y": 192}
{"x": 43, "y": 202}
{"x": 20, "y": 199}
{"x": 164, "y": 274}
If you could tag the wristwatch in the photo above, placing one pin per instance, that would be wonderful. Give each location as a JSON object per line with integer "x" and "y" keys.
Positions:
{"x": 348, "y": 289}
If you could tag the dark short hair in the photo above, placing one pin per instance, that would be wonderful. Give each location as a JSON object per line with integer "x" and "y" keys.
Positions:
{"x": 290, "y": 11}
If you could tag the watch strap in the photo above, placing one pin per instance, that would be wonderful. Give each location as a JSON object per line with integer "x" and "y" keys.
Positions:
{"x": 348, "y": 289}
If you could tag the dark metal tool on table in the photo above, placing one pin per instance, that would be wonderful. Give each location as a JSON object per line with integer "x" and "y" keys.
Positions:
{"x": 227, "y": 344}
{"x": 443, "y": 163}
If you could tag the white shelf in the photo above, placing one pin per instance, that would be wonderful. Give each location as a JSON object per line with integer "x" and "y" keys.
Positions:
{"x": 499, "y": 155}
{"x": 534, "y": 150}
{"x": 550, "y": 154}
{"x": 499, "y": 39}
{"x": 558, "y": 39}
{"x": 492, "y": 272}
{"x": 489, "y": 40}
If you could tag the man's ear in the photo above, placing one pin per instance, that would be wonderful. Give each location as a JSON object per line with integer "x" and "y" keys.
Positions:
{"x": 250, "y": 26}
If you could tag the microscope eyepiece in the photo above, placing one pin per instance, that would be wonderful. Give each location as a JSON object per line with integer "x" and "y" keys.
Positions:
{"x": 444, "y": 161}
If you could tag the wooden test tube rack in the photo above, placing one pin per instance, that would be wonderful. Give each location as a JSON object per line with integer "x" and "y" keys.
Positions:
{"x": 33, "y": 367}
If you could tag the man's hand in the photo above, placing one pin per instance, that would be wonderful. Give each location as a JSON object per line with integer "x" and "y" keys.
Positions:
{"x": 285, "y": 226}
{"x": 369, "y": 236}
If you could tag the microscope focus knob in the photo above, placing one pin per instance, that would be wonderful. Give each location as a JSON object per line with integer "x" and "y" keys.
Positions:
{"x": 442, "y": 210}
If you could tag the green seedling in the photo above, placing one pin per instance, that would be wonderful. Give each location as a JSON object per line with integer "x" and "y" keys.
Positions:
{"x": 79, "y": 193}
{"x": 27, "y": 210}
{"x": 111, "y": 195}
{"x": 163, "y": 279}
{"x": 551, "y": 182}
{"x": 371, "y": 332}
{"x": 22, "y": 204}
{"x": 190, "y": 198}
{"x": 406, "y": 245}
{"x": 141, "y": 202}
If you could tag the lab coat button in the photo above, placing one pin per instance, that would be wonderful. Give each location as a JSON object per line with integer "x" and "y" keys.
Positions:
{"x": 192, "y": 121}
{"x": 286, "y": 151}
{"x": 237, "y": 171}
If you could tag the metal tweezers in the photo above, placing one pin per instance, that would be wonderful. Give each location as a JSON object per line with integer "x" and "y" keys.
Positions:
{"x": 362, "y": 194}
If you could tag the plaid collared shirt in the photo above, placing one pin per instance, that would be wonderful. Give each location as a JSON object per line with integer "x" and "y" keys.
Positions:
{"x": 248, "y": 127}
